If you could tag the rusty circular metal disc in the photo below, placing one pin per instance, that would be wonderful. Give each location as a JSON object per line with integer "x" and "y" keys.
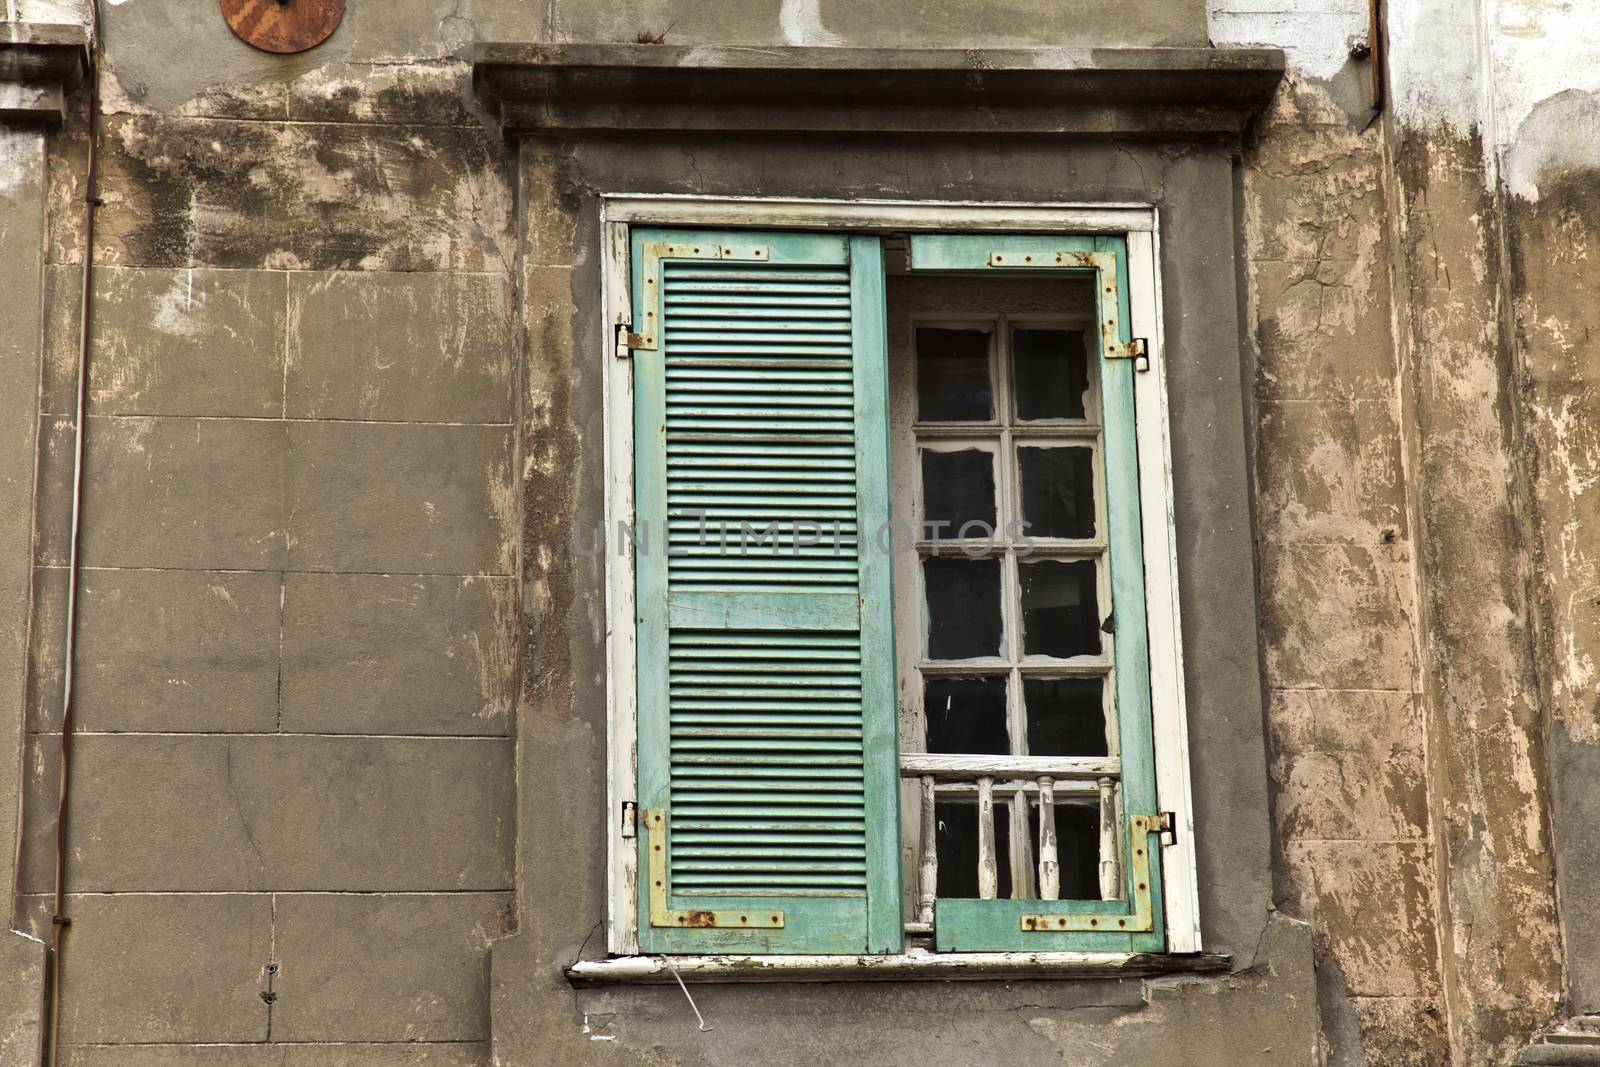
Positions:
{"x": 283, "y": 26}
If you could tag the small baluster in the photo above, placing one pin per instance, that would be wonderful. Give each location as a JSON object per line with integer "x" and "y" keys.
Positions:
{"x": 1049, "y": 856}
{"x": 928, "y": 871}
{"x": 1110, "y": 842}
{"x": 988, "y": 872}
{"x": 1024, "y": 868}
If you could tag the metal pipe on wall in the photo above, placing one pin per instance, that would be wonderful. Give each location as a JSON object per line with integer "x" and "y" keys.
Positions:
{"x": 50, "y": 1019}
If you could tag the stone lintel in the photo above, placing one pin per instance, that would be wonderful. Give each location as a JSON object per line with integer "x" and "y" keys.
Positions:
{"x": 1098, "y": 93}
{"x": 40, "y": 63}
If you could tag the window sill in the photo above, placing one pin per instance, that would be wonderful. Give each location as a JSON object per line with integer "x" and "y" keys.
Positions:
{"x": 904, "y": 967}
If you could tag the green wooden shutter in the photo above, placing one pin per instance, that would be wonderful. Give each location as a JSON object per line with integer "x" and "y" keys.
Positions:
{"x": 768, "y": 785}
{"x": 1135, "y": 923}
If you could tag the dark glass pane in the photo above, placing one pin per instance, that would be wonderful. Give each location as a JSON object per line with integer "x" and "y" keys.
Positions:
{"x": 1060, "y": 609}
{"x": 1052, "y": 373}
{"x": 966, "y": 715}
{"x": 958, "y": 488}
{"x": 1057, "y": 491}
{"x": 957, "y": 844}
{"x": 953, "y": 376}
{"x": 1066, "y": 716}
{"x": 1077, "y": 848}
{"x": 963, "y": 607}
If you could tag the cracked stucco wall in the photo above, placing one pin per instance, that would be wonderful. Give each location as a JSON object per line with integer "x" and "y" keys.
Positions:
{"x": 1336, "y": 544}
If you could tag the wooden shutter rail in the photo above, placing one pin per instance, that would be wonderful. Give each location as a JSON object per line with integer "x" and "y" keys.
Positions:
{"x": 1105, "y": 265}
{"x": 655, "y": 822}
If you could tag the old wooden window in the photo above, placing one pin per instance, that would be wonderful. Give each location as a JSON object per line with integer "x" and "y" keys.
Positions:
{"x": 1026, "y": 731}
{"x": 882, "y": 668}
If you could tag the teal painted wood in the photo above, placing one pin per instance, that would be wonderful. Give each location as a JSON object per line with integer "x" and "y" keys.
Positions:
{"x": 650, "y": 596}
{"x": 996, "y": 926}
{"x": 885, "y": 924}
{"x": 765, "y": 691}
{"x": 754, "y": 605}
{"x": 966, "y": 251}
{"x": 1131, "y": 636}
{"x": 980, "y": 925}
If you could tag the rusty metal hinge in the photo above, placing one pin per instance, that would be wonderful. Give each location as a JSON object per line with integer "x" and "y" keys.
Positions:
{"x": 626, "y": 341}
{"x": 629, "y": 826}
{"x": 1138, "y": 350}
{"x": 650, "y": 269}
{"x": 1142, "y": 917}
{"x": 1107, "y": 294}
{"x": 655, "y": 825}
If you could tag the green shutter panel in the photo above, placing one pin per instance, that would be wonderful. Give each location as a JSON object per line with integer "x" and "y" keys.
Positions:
{"x": 768, "y": 785}
{"x": 1135, "y": 923}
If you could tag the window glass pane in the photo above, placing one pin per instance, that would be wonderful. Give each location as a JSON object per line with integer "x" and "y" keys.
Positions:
{"x": 957, "y": 489}
{"x": 966, "y": 715}
{"x": 1060, "y": 609}
{"x": 1052, "y": 373}
{"x": 1057, "y": 491}
{"x": 957, "y": 844}
{"x": 1077, "y": 848}
{"x": 1066, "y": 716}
{"x": 953, "y": 376}
{"x": 963, "y": 607}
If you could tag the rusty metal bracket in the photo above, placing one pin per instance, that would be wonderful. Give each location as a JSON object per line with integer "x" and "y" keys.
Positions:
{"x": 655, "y": 824}
{"x": 630, "y": 813}
{"x": 1104, "y": 264}
{"x": 654, "y": 253}
{"x": 1142, "y": 919}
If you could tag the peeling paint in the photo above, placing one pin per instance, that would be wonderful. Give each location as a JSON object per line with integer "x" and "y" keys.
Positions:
{"x": 1316, "y": 35}
{"x": 21, "y": 161}
{"x": 801, "y": 21}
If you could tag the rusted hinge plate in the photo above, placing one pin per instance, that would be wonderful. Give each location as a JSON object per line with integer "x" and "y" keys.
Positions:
{"x": 1142, "y": 918}
{"x": 655, "y": 825}
{"x": 625, "y": 341}
{"x": 654, "y": 253}
{"x": 1036, "y": 260}
{"x": 1104, "y": 264}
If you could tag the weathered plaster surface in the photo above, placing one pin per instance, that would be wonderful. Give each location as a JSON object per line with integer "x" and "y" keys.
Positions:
{"x": 1518, "y": 73}
{"x": 295, "y": 814}
{"x": 308, "y": 312}
{"x": 22, "y": 211}
{"x": 1551, "y": 242}
{"x": 1485, "y": 470}
{"x": 1316, "y": 35}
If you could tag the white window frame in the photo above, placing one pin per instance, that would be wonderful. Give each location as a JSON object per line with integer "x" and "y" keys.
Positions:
{"x": 1135, "y": 222}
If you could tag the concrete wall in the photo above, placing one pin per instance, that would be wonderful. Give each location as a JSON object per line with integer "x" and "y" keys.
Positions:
{"x": 334, "y": 409}
{"x": 293, "y": 807}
